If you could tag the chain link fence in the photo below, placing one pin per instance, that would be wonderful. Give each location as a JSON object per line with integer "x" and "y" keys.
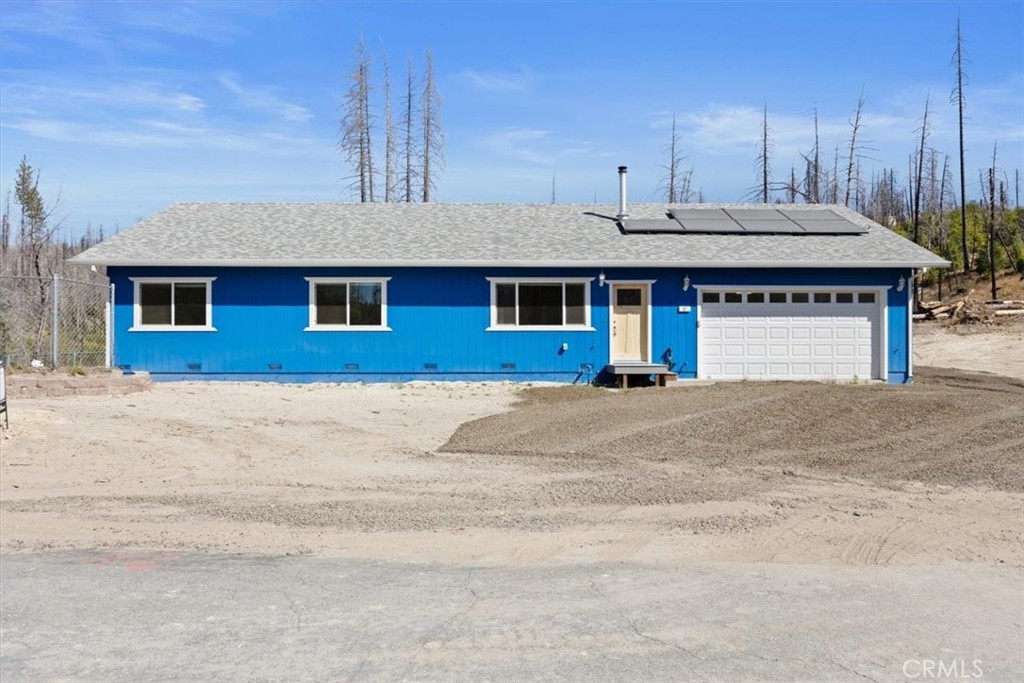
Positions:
{"x": 55, "y": 322}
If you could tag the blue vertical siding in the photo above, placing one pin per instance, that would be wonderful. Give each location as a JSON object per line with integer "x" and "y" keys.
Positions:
{"x": 438, "y": 317}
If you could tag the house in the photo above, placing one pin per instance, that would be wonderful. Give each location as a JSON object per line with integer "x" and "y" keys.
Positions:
{"x": 394, "y": 292}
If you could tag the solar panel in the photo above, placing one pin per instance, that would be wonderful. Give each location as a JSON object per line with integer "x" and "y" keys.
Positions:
{"x": 742, "y": 215}
{"x": 784, "y": 226}
{"x": 710, "y": 226}
{"x": 707, "y": 214}
{"x": 754, "y": 221}
{"x": 811, "y": 215}
{"x": 657, "y": 225}
{"x": 834, "y": 227}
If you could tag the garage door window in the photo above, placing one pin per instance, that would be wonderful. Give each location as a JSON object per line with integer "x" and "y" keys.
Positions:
{"x": 802, "y": 297}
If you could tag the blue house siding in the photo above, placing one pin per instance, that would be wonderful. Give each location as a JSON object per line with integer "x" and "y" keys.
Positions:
{"x": 438, "y": 319}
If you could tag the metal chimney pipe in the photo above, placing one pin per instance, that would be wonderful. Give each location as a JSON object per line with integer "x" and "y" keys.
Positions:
{"x": 622, "y": 193}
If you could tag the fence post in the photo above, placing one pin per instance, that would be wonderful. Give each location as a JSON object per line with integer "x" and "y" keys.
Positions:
{"x": 54, "y": 333}
{"x": 108, "y": 327}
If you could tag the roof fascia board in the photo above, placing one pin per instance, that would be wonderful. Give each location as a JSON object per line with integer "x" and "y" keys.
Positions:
{"x": 315, "y": 263}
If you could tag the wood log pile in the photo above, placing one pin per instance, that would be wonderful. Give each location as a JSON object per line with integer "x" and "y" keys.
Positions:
{"x": 967, "y": 310}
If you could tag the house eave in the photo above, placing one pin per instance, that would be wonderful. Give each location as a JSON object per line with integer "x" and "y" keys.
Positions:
{"x": 490, "y": 263}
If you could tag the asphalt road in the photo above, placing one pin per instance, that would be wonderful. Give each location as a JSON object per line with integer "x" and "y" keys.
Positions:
{"x": 162, "y": 616}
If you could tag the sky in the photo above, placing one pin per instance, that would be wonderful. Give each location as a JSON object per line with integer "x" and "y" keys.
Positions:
{"x": 127, "y": 107}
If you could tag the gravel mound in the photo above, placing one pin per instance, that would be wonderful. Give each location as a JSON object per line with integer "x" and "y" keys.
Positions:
{"x": 949, "y": 427}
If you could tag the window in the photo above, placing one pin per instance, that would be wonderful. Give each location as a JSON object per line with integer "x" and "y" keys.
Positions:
{"x": 776, "y": 297}
{"x": 536, "y": 304}
{"x": 823, "y": 297}
{"x": 755, "y": 297}
{"x": 733, "y": 298}
{"x": 844, "y": 297}
{"x": 709, "y": 297}
{"x": 629, "y": 296}
{"x": 352, "y": 304}
{"x": 169, "y": 304}
{"x": 800, "y": 297}
{"x": 866, "y": 297}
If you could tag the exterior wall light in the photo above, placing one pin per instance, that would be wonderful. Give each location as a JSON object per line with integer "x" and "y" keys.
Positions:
{"x": 600, "y": 279}
{"x": 901, "y": 284}
{"x": 686, "y": 282}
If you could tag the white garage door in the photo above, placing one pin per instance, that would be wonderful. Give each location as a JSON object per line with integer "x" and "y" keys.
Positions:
{"x": 790, "y": 335}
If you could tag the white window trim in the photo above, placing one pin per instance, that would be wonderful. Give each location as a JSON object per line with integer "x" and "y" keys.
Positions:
{"x": 312, "y": 325}
{"x": 495, "y": 327}
{"x": 649, "y": 286}
{"x": 137, "y": 325}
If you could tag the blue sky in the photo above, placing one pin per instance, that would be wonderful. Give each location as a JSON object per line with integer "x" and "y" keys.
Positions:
{"x": 128, "y": 107}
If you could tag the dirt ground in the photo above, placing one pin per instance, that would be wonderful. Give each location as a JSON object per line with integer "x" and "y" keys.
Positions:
{"x": 996, "y": 349}
{"x": 748, "y": 472}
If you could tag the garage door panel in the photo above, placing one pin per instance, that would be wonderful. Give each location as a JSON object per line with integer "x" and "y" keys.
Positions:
{"x": 800, "y": 333}
{"x": 790, "y": 341}
{"x": 822, "y": 332}
{"x": 756, "y": 351}
{"x": 757, "y": 333}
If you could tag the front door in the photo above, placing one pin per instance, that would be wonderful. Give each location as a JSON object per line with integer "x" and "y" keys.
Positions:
{"x": 629, "y": 323}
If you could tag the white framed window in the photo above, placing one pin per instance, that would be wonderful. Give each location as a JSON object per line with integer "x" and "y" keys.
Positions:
{"x": 349, "y": 304}
{"x": 176, "y": 304}
{"x": 537, "y": 304}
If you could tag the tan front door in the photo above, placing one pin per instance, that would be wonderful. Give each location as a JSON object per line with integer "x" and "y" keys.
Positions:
{"x": 629, "y": 323}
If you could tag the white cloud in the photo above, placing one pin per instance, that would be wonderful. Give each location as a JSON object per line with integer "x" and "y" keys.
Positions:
{"x": 109, "y": 28}
{"x": 534, "y": 145}
{"x": 497, "y": 81}
{"x": 265, "y": 99}
{"x": 126, "y": 94}
{"x": 156, "y": 133}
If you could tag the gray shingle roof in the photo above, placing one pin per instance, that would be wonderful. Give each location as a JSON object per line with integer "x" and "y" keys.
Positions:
{"x": 234, "y": 234}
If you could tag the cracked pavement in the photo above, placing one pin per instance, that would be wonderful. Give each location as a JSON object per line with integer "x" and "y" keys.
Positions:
{"x": 131, "y": 616}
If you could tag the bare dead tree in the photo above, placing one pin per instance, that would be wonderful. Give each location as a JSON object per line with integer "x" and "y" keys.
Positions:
{"x": 834, "y": 184}
{"x": 918, "y": 183}
{"x": 915, "y": 211}
{"x": 992, "y": 221}
{"x": 408, "y": 138}
{"x": 390, "y": 144}
{"x": 367, "y": 124}
{"x": 851, "y": 160}
{"x": 670, "y": 183}
{"x": 764, "y": 159}
{"x": 957, "y": 98}
{"x": 5, "y": 230}
{"x": 554, "y": 198}
{"x": 812, "y": 181}
{"x": 356, "y": 123}
{"x": 791, "y": 187}
{"x": 433, "y": 134}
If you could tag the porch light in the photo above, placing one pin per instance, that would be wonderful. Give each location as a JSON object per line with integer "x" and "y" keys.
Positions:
{"x": 686, "y": 282}
{"x": 901, "y": 284}
{"x": 600, "y": 279}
